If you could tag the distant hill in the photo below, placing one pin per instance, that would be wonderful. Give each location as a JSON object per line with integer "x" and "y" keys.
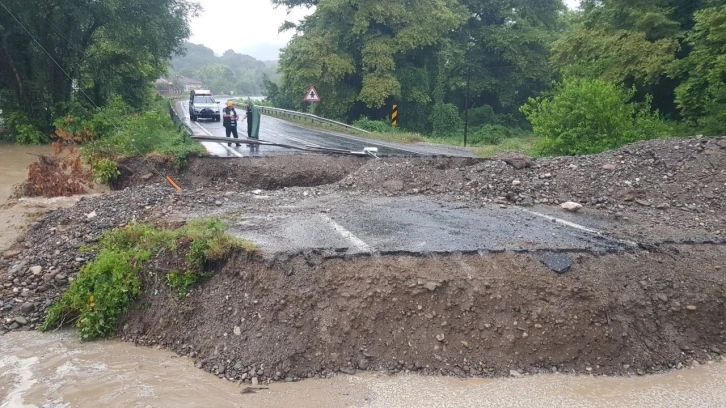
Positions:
{"x": 239, "y": 73}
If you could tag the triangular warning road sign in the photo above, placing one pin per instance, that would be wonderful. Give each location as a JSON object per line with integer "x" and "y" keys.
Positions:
{"x": 312, "y": 95}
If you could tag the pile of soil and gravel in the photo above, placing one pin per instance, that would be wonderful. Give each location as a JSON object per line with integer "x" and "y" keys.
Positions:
{"x": 306, "y": 315}
{"x": 682, "y": 173}
{"x": 300, "y": 315}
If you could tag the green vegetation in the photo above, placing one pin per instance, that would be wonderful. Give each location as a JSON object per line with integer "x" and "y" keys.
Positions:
{"x": 120, "y": 132}
{"x": 92, "y": 52}
{"x": 241, "y": 74}
{"x": 627, "y": 70}
{"x": 590, "y": 116}
{"x": 106, "y": 286}
{"x": 105, "y": 171}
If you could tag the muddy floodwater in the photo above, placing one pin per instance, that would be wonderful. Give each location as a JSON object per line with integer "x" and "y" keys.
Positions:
{"x": 56, "y": 370}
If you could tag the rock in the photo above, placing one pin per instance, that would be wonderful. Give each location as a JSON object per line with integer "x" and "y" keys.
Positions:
{"x": 27, "y": 308}
{"x": 608, "y": 167}
{"x": 237, "y": 331}
{"x": 91, "y": 215}
{"x": 218, "y": 203}
{"x": 527, "y": 201}
{"x": 346, "y": 370}
{"x": 515, "y": 374}
{"x": 256, "y": 192}
{"x": 60, "y": 277}
{"x": 440, "y": 337}
{"x": 363, "y": 364}
{"x": 255, "y": 381}
{"x": 559, "y": 263}
{"x": 147, "y": 177}
{"x": 516, "y": 182}
{"x": 571, "y": 206}
{"x": 21, "y": 320}
{"x": 663, "y": 206}
{"x": 691, "y": 308}
{"x": 36, "y": 270}
{"x": 432, "y": 285}
{"x": 514, "y": 159}
{"x": 11, "y": 253}
{"x": 644, "y": 203}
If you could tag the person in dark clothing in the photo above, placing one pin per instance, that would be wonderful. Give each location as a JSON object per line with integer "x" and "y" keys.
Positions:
{"x": 250, "y": 119}
{"x": 230, "y": 118}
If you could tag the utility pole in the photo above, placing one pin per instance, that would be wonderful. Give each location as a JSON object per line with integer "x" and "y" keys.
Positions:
{"x": 466, "y": 107}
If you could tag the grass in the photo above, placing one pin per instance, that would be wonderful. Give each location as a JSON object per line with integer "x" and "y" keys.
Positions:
{"x": 151, "y": 132}
{"x": 525, "y": 142}
{"x": 106, "y": 286}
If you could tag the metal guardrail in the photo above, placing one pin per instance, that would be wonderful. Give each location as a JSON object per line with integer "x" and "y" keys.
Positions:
{"x": 177, "y": 119}
{"x": 306, "y": 116}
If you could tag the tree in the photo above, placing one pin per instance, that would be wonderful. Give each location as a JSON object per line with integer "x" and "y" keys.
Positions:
{"x": 701, "y": 96}
{"x": 87, "y": 47}
{"x": 349, "y": 49}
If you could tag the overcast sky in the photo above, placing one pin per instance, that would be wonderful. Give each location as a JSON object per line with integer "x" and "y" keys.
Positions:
{"x": 248, "y": 26}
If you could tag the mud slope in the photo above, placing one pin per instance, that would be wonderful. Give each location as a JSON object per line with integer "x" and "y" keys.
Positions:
{"x": 269, "y": 173}
{"x": 307, "y": 315}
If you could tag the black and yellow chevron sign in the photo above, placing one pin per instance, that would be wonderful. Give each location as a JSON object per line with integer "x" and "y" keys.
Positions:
{"x": 394, "y": 116}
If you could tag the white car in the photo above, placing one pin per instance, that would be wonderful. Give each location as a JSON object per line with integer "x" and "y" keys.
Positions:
{"x": 202, "y": 105}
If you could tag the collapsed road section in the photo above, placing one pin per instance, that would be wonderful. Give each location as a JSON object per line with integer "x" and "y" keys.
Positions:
{"x": 453, "y": 266}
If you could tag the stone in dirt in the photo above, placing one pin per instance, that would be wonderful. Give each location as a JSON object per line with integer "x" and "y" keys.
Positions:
{"x": 559, "y": 263}
{"x": 609, "y": 167}
{"x": 36, "y": 270}
{"x": 571, "y": 206}
{"x": 432, "y": 285}
{"x": 21, "y": 320}
{"x": 11, "y": 253}
{"x": 91, "y": 215}
{"x": 147, "y": 177}
{"x": 517, "y": 160}
{"x": 27, "y": 308}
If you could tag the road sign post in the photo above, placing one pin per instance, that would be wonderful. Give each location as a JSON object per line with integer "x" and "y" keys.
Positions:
{"x": 312, "y": 96}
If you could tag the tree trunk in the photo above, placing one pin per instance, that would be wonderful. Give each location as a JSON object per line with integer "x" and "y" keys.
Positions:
{"x": 22, "y": 98}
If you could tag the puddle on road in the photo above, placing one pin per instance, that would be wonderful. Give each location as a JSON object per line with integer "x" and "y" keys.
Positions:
{"x": 57, "y": 370}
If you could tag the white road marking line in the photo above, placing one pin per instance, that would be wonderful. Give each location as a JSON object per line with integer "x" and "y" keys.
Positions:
{"x": 575, "y": 226}
{"x": 357, "y": 242}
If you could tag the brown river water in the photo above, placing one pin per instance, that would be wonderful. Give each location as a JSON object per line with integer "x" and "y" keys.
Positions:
{"x": 56, "y": 370}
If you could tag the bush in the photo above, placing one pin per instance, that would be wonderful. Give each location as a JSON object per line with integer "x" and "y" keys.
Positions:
{"x": 491, "y": 135}
{"x": 378, "y": 126}
{"x": 105, "y": 171}
{"x": 483, "y": 115}
{"x": 106, "y": 286}
{"x": 22, "y": 130}
{"x": 138, "y": 134}
{"x": 590, "y": 116}
{"x": 445, "y": 119}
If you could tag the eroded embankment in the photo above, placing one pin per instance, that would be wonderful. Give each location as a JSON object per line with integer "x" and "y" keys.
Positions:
{"x": 306, "y": 315}
{"x": 268, "y": 173}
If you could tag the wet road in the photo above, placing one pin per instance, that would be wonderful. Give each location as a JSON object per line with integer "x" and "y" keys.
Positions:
{"x": 279, "y": 131}
{"x": 413, "y": 224}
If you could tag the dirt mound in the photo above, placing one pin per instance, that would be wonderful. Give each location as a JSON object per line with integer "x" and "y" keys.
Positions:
{"x": 306, "y": 315}
{"x": 659, "y": 187}
{"x": 688, "y": 173}
{"x": 268, "y": 173}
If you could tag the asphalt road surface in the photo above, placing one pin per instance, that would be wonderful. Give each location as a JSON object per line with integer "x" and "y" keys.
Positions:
{"x": 413, "y": 224}
{"x": 278, "y": 131}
